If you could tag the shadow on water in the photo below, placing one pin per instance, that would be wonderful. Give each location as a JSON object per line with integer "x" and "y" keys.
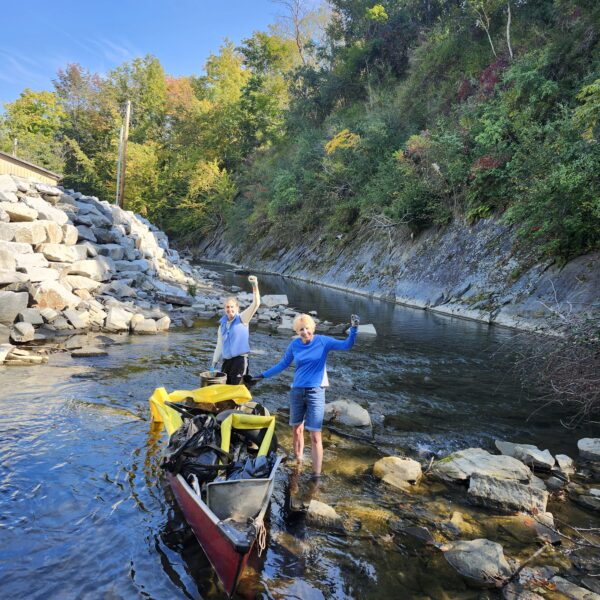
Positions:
{"x": 84, "y": 512}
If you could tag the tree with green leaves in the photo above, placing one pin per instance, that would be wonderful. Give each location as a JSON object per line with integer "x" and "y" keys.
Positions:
{"x": 35, "y": 120}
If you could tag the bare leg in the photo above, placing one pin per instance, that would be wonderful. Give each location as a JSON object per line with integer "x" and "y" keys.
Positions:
{"x": 316, "y": 450}
{"x": 298, "y": 441}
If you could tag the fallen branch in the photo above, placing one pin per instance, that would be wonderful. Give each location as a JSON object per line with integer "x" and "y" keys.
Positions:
{"x": 524, "y": 563}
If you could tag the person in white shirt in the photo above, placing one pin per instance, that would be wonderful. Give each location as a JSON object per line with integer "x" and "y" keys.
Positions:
{"x": 233, "y": 339}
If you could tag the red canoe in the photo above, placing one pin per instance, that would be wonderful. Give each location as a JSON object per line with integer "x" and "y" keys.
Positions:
{"x": 228, "y": 523}
{"x": 227, "y": 517}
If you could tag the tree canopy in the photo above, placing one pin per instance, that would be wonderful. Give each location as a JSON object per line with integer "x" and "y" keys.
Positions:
{"x": 415, "y": 112}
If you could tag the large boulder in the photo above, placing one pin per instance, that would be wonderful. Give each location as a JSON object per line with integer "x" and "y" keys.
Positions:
{"x": 11, "y": 278}
{"x": 78, "y": 282}
{"x": 117, "y": 319}
{"x": 461, "y": 465}
{"x": 15, "y": 248}
{"x": 31, "y": 315}
{"x": 29, "y": 233}
{"x": 18, "y": 211}
{"x": 479, "y": 561}
{"x": 320, "y": 514}
{"x": 589, "y": 448}
{"x": 48, "y": 190}
{"x": 8, "y": 197}
{"x": 348, "y": 413}
{"x": 572, "y": 591}
{"x": 7, "y": 184}
{"x": 75, "y": 318}
{"x": 565, "y": 464}
{"x": 585, "y": 495}
{"x": 141, "y": 265}
{"x": 54, "y": 232}
{"x": 86, "y": 233}
{"x": 271, "y": 300}
{"x": 99, "y": 268}
{"x": 26, "y": 261}
{"x": 58, "y": 252}
{"x": 11, "y": 304}
{"x": 70, "y": 234}
{"x": 363, "y": 330}
{"x": 400, "y": 472}
{"x": 36, "y": 274}
{"x": 46, "y": 211}
{"x": 528, "y": 454}
{"x": 506, "y": 495}
{"x": 52, "y": 294}
{"x": 7, "y": 260}
{"x": 144, "y": 327}
{"x": 22, "y": 332}
{"x": 114, "y": 251}
{"x": 107, "y": 236}
{"x": 121, "y": 289}
{"x": 163, "y": 323}
{"x": 7, "y": 232}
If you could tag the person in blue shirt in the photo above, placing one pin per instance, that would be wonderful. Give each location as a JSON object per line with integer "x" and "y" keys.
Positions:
{"x": 233, "y": 336}
{"x": 307, "y": 397}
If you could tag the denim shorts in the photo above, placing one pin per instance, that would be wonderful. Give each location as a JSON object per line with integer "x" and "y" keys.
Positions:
{"x": 308, "y": 405}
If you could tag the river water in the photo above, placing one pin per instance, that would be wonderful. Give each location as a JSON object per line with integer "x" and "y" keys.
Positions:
{"x": 85, "y": 513}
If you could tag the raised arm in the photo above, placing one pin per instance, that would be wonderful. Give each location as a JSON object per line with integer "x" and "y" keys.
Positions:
{"x": 333, "y": 344}
{"x": 248, "y": 313}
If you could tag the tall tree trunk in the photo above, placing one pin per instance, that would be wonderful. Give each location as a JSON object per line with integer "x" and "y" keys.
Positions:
{"x": 508, "y": 19}
{"x": 484, "y": 21}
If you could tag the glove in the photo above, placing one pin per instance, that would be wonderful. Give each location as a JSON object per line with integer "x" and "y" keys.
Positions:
{"x": 354, "y": 320}
{"x": 212, "y": 370}
{"x": 253, "y": 281}
{"x": 249, "y": 380}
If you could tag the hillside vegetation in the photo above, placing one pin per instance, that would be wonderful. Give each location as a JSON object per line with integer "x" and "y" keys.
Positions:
{"x": 402, "y": 113}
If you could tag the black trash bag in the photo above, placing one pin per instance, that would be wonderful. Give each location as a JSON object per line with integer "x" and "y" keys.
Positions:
{"x": 204, "y": 464}
{"x": 194, "y": 449}
{"x": 252, "y": 468}
{"x": 184, "y": 433}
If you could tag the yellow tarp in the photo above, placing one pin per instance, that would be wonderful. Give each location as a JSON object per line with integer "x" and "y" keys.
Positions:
{"x": 207, "y": 395}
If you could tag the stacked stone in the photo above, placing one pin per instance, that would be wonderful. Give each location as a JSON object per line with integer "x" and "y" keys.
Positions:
{"x": 71, "y": 262}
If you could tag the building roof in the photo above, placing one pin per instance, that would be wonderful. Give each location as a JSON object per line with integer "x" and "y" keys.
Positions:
{"x": 29, "y": 165}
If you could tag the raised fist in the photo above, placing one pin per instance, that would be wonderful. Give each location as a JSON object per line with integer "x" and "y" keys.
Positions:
{"x": 354, "y": 320}
{"x": 253, "y": 281}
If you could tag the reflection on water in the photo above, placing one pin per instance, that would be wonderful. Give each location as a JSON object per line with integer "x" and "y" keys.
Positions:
{"x": 84, "y": 512}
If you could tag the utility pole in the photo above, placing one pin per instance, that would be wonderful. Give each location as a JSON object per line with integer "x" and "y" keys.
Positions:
{"x": 123, "y": 161}
{"x": 119, "y": 166}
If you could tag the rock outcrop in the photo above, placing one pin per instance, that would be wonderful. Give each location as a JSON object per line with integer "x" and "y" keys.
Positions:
{"x": 469, "y": 271}
{"x": 71, "y": 262}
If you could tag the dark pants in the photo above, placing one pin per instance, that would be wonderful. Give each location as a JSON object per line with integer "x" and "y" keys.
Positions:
{"x": 235, "y": 368}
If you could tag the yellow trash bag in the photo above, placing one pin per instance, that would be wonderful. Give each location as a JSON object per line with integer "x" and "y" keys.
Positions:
{"x": 211, "y": 394}
{"x": 241, "y": 421}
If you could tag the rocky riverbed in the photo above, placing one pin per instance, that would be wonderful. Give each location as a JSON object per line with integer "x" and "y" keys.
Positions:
{"x": 487, "y": 514}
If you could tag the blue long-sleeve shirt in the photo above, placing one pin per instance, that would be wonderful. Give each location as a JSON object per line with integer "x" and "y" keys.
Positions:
{"x": 310, "y": 358}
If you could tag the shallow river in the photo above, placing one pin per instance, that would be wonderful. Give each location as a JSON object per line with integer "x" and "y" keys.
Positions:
{"x": 84, "y": 512}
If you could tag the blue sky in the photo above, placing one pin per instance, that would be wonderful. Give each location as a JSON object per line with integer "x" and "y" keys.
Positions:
{"x": 41, "y": 36}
